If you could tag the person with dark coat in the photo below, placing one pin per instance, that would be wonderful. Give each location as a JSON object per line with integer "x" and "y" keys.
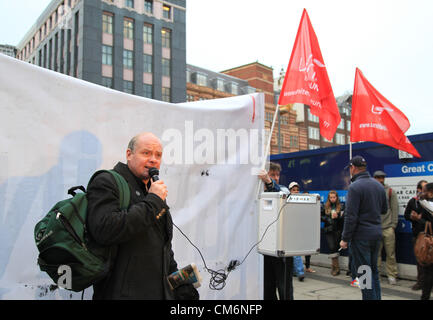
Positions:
{"x": 413, "y": 213}
{"x": 365, "y": 202}
{"x": 332, "y": 216}
{"x": 277, "y": 271}
{"x": 427, "y": 215}
{"x": 141, "y": 235}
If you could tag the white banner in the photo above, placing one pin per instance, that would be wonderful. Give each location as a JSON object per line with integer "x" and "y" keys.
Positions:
{"x": 55, "y": 131}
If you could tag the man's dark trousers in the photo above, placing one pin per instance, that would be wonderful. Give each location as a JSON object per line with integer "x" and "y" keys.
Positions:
{"x": 365, "y": 253}
{"x": 278, "y": 274}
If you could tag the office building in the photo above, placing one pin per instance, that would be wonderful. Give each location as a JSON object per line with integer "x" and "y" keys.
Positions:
{"x": 8, "y": 50}
{"x": 135, "y": 46}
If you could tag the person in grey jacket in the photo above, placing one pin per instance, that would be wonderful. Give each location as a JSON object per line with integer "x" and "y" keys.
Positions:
{"x": 365, "y": 202}
{"x": 141, "y": 236}
{"x": 389, "y": 224}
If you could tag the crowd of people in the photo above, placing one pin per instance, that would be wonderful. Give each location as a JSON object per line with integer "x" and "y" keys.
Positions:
{"x": 363, "y": 227}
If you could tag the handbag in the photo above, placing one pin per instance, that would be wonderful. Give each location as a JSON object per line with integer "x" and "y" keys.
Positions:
{"x": 424, "y": 246}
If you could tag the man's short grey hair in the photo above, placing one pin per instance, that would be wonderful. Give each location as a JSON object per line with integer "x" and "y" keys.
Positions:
{"x": 132, "y": 143}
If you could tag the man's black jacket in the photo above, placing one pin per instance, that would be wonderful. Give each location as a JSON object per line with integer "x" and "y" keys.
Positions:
{"x": 144, "y": 256}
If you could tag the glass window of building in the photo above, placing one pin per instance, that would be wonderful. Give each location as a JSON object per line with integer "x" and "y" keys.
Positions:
{"x": 148, "y": 6}
{"x": 341, "y": 125}
{"x": 234, "y": 88}
{"x": 294, "y": 143}
{"x": 348, "y": 125}
{"x": 166, "y": 11}
{"x": 128, "y": 29}
{"x": 220, "y": 84}
{"x": 269, "y": 116}
{"x": 284, "y": 120}
{"x": 147, "y": 90}
{"x": 166, "y": 94}
{"x": 251, "y": 89}
{"x": 313, "y": 133}
{"x": 107, "y": 55}
{"x": 312, "y": 117}
{"x": 107, "y": 23}
{"x": 165, "y": 67}
{"x": 340, "y": 138}
{"x": 281, "y": 142}
{"x": 129, "y": 3}
{"x": 128, "y": 86}
{"x": 128, "y": 59}
{"x": 107, "y": 82}
{"x": 166, "y": 38}
{"x": 313, "y": 147}
{"x": 147, "y": 34}
{"x": 201, "y": 79}
{"x": 147, "y": 63}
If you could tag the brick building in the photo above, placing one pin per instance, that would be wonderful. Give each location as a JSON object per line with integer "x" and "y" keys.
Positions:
{"x": 310, "y": 123}
{"x": 292, "y": 137}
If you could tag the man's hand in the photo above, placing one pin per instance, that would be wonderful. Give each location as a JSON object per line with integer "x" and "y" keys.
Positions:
{"x": 159, "y": 188}
{"x": 264, "y": 176}
{"x": 343, "y": 244}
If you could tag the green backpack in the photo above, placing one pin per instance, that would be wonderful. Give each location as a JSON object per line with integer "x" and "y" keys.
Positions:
{"x": 62, "y": 239}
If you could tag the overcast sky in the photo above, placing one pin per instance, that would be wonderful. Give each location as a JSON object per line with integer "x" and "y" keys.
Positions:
{"x": 391, "y": 41}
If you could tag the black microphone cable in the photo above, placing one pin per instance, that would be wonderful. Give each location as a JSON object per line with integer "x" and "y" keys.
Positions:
{"x": 219, "y": 277}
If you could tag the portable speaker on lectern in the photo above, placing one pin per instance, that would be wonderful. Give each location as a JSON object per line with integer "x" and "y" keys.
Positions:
{"x": 297, "y": 230}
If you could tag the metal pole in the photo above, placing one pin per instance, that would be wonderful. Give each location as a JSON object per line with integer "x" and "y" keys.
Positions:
{"x": 268, "y": 145}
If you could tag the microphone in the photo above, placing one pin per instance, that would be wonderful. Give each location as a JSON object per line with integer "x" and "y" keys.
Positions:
{"x": 154, "y": 174}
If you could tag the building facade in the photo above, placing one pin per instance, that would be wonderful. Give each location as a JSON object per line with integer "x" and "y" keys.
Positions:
{"x": 203, "y": 84}
{"x": 287, "y": 136}
{"x": 8, "y": 50}
{"x": 310, "y": 123}
{"x": 135, "y": 46}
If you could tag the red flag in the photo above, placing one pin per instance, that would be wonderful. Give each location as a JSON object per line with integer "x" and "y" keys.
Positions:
{"x": 307, "y": 81}
{"x": 376, "y": 119}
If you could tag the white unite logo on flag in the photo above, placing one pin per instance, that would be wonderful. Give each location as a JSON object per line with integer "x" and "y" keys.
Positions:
{"x": 379, "y": 110}
{"x": 309, "y": 70}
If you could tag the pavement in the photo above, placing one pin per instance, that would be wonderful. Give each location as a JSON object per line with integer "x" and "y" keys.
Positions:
{"x": 321, "y": 285}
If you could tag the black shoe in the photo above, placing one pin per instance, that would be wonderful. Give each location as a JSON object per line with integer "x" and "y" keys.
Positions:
{"x": 301, "y": 278}
{"x": 416, "y": 287}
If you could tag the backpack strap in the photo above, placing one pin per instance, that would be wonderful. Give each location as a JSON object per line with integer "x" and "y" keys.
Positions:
{"x": 124, "y": 191}
{"x": 122, "y": 185}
